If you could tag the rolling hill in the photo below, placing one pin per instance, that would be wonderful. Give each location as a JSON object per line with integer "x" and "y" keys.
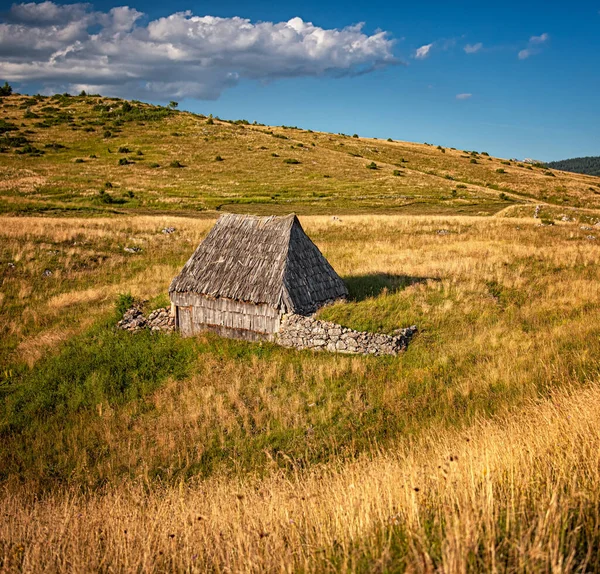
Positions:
{"x": 90, "y": 154}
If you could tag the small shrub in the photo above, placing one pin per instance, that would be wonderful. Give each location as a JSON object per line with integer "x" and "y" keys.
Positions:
{"x": 176, "y": 163}
{"x": 390, "y": 140}
{"x": 219, "y": 158}
{"x": 130, "y": 194}
{"x": 107, "y": 134}
{"x": 454, "y": 192}
{"x": 123, "y": 303}
{"x": 108, "y": 185}
{"x": 123, "y": 161}
{"x": 396, "y": 172}
{"x": 549, "y": 174}
{"x": 473, "y": 161}
{"x": 123, "y": 149}
{"x": 504, "y": 197}
{"x": 500, "y": 170}
{"x": 154, "y": 164}
{"x": 79, "y": 160}
{"x": 355, "y": 136}
{"x": 54, "y": 146}
{"x": 93, "y": 156}
{"x": 461, "y": 186}
{"x": 371, "y": 165}
{"x": 291, "y": 160}
{"x": 546, "y": 221}
{"x": 485, "y": 153}
{"x": 505, "y": 163}
{"x": 275, "y": 155}
{"x": 139, "y": 152}
{"x": 210, "y": 122}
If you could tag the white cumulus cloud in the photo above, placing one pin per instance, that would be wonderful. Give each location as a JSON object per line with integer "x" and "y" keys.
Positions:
{"x": 423, "y": 51}
{"x": 181, "y": 55}
{"x": 473, "y": 48}
{"x": 463, "y": 96}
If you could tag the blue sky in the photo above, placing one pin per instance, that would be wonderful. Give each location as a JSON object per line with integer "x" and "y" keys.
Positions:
{"x": 530, "y": 86}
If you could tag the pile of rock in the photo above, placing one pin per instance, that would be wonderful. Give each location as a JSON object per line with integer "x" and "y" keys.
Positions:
{"x": 133, "y": 320}
{"x": 159, "y": 320}
{"x": 302, "y": 332}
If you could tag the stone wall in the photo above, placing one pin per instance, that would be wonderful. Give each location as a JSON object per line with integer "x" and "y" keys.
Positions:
{"x": 296, "y": 331}
{"x": 308, "y": 333}
{"x": 159, "y": 320}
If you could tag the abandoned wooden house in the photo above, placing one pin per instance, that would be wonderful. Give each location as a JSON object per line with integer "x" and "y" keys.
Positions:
{"x": 247, "y": 273}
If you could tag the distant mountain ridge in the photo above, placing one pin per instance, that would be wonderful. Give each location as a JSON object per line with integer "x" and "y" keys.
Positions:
{"x": 588, "y": 165}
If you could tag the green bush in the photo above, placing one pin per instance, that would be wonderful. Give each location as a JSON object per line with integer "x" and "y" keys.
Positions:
{"x": 210, "y": 121}
{"x": 79, "y": 160}
{"x": 473, "y": 161}
{"x": 355, "y": 136}
{"x": 176, "y": 163}
{"x": 371, "y": 165}
{"x": 275, "y": 155}
{"x": 291, "y": 160}
{"x": 124, "y": 301}
{"x": 500, "y": 170}
{"x": 390, "y": 140}
{"x": 397, "y": 172}
{"x": 219, "y": 158}
{"x": 123, "y": 149}
{"x": 123, "y": 161}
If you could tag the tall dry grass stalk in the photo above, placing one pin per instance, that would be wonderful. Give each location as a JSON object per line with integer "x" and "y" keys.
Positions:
{"x": 516, "y": 494}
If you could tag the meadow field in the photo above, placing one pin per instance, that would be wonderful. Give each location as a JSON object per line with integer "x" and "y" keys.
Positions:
{"x": 477, "y": 449}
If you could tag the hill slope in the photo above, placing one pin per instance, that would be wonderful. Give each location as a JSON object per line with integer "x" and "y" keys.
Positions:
{"x": 90, "y": 154}
{"x": 588, "y": 165}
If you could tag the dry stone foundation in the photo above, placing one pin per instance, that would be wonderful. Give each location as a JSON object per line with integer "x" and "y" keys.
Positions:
{"x": 302, "y": 332}
{"x": 296, "y": 331}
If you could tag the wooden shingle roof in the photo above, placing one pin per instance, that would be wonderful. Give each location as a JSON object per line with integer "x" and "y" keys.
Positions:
{"x": 261, "y": 260}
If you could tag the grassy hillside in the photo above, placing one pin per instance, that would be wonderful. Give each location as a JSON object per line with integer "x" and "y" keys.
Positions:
{"x": 91, "y": 154}
{"x": 475, "y": 450}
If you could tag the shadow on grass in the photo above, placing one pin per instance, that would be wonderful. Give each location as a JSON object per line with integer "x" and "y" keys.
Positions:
{"x": 361, "y": 287}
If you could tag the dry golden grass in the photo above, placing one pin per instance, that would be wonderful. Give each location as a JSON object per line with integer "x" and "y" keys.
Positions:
{"x": 316, "y": 458}
{"x": 517, "y": 494}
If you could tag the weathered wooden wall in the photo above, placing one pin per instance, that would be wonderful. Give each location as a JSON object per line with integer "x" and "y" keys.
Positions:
{"x": 230, "y": 318}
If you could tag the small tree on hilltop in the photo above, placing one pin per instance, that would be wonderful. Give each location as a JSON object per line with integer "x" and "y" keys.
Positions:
{"x": 6, "y": 89}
